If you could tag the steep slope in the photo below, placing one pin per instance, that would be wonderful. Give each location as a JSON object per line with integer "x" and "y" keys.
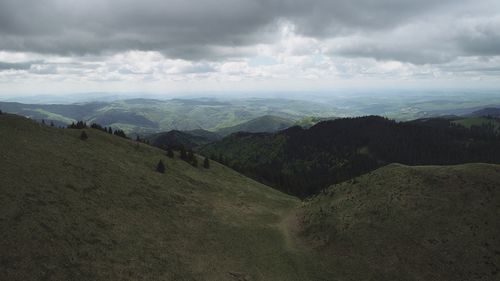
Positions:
{"x": 303, "y": 161}
{"x": 97, "y": 210}
{"x": 410, "y": 223}
{"x": 261, "y": 124}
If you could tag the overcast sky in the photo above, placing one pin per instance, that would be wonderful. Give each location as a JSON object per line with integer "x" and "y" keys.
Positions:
{"x": 65, "y": 46}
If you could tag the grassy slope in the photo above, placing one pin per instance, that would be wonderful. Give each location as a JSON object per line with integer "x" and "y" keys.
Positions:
{"x": 410, "y": 223}
{"x": 97, "y": 210}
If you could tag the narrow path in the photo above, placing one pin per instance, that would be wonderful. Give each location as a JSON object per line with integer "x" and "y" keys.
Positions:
{"x": 307, "y": 265}
{"x": 288, "y": 226}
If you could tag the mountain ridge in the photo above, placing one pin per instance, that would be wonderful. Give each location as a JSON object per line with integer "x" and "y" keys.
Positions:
{"x": 263, "y": 124}
{"x": 303, "y": 161}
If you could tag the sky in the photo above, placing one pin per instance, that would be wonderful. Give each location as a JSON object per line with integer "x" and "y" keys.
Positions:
{"x": 69, "y": 46}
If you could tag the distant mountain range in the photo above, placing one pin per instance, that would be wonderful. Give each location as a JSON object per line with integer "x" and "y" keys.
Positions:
{"x": 489, "y": 111}
{"x": 147, "y": 116}
{"x": 144, "y": 116}
{"x": 195, "y": 139}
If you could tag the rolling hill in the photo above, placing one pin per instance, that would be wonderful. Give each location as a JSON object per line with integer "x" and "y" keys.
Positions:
{"x": 410, "y": 223}
{"x": 150, "y": 116}
{"x": 96, "y": 209}
{"x": 263, "y": 124}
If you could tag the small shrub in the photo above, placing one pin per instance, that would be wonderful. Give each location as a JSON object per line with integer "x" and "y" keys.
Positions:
{"x": 160, "y": 168}
{"x": 170, "y": 153}
{"x": 183, "y": 153}
{"x": 83, "y": 136}
{"x": 194, "y": 162}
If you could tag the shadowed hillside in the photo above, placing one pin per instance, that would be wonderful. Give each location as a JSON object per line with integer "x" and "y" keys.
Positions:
{"x": 303, "y": 161}
{"x": 97, "y": 210}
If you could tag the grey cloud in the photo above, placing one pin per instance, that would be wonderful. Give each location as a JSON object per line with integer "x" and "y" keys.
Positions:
{"x": 329, "y": 18}
{"x": 395, "y": 51}
{"x": 17, "y": 65}
{"x": 214, "y": 29}
{"x": 482, "y": 39}
{"x": 442, "y": 40}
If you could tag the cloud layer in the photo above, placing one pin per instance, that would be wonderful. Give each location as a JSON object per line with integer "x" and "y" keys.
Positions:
{"x": 260, "y": 39}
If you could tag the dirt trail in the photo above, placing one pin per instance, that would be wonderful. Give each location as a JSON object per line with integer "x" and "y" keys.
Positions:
{"x": 289, "y": 228}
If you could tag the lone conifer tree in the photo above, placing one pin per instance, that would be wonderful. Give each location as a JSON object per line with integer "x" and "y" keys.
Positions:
{"x": 190, "y": 155}
{"x": 183, "y": 153}
{"x": 83, "y": 136}
{"x": 170, "y": 153}
{"x": 160, "y": 168}
{"x": 206, "y": 163}
{"x": 51, "y": 123}
{"x": 194, "y": 162}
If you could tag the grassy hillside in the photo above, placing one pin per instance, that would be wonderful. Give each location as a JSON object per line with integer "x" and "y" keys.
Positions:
{"x": 262, "y": 124}
{"x": 98, "y": 210}
{"x": 410, "y": 223}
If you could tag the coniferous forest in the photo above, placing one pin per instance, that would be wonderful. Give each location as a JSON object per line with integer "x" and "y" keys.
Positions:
{"x": 304, "y": 161}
